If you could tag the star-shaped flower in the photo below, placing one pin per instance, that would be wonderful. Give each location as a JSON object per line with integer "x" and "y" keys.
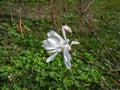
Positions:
{"x": 55, "y": 44}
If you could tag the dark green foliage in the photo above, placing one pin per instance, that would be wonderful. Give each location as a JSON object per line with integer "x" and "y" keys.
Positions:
{"x": 23, "y": 61}
{"x": 23, "y": 65}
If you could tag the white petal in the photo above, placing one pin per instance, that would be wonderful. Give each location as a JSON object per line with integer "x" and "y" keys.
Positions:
{"x": 47, "y": 46}
{"x": 54, "y": 50}
{"x": 51, "y": 45}
{"x": 53, "y": 34}
{"x": 46, "y": 43}
{"x": 52, "y": 57}
{"x": 74, "y": 42}
{"x": 51, "y": 49}
{"x": 67, "y": 58}
{"x": 67, "y": 28}
{"x": 54, "y": 43}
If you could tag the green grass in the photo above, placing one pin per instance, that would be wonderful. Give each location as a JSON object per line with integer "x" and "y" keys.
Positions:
{"x": 23, "y": 61}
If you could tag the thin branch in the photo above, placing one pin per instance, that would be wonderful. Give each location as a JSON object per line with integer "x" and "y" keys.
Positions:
{"x": 104, "y": 60}
{"x": 116, "y": 70}
{"x": 88, "y": 6}
{"x": 93, "y": 64}
{"x": 20, "y": 24}
{"x": 25, "y": 26}
{"x": 106, "y": 84}
{"x": 19, "y": 27}
{"x": 101, "y": 42}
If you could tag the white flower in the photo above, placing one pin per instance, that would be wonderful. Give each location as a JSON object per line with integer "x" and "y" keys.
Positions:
{"x": 55, "y": 44}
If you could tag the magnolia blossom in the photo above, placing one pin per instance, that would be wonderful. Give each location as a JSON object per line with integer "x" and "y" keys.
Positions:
{"x": 55, "y": 44}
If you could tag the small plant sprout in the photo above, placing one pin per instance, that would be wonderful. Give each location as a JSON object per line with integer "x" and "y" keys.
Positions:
{"x": 55, "y": 44}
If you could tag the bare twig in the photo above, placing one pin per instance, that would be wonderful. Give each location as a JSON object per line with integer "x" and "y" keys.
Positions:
{"x": 91, "y": 28}
{"x": 93, "y": 64}
{"x": 20, "y": 24}
{"x": 19, "y": 27}
{"x": 88, "y": 6}
{"x": 106, "y": 84}
{"x": 106, "y": 61}
{"x": 116, "y": 70}
{"x": 25, "y": 26}
{"x": 99, "y": 67}
{"x": 88, "y": 22}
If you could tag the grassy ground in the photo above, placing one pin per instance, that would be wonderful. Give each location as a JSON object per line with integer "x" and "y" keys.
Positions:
{"x": 23, "y": 61}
